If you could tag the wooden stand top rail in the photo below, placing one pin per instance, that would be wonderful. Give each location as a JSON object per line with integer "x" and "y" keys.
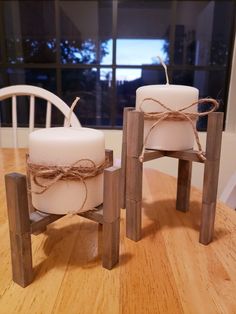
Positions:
{"x": 191, "y": 155}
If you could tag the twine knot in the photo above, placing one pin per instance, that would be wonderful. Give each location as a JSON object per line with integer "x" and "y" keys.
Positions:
{"x": 80, "y": 170}
{"x": 177, "y": 115}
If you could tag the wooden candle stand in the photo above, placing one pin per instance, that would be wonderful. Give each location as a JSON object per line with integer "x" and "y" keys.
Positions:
{"x": 22, "y": 223}
{"x": 132, "y": 170}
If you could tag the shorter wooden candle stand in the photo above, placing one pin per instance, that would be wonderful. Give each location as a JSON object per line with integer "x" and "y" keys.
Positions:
{"x": 132, "y": 170}
{"x": 22, "y": 223}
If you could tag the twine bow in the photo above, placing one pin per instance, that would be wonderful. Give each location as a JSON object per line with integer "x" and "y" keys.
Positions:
{"x": 177, "y": 115}
{"x": 78, "y": 171}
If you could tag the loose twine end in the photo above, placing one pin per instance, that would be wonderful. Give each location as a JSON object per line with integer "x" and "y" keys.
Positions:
{"x": 141, "y": 158}
{"x": 201, "y": 155}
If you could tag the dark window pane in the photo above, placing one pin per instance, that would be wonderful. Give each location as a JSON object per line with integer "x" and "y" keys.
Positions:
{"x": 1, "y": 79}
{"x": 143, "y": 31}
{"x": 44, "y": 78}
{"x": 86, "y": 31}
{"x": 93, "y": 86}
{"x": 210, "y": 84}
{"x": 202, "y": 36}
{"x": 5, "y": 113}
{"x": 30, "y": 31}
{"x": 127, "y": 81}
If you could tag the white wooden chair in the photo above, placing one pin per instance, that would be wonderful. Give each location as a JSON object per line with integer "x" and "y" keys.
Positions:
{"x": 34, "y": 91}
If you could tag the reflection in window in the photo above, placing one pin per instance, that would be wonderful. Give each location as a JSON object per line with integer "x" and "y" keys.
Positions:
{"x": 85, "y": 30}
{"x": 106, "y": 75}
{"x": 42, "y": 77}
{"x": 95, "y": 99}
{"x": 29, "y": 50}
{"x": 123, "y": 75}
{"x": 195, "y": 39}
{"x": 201, "y": 34}
{"x": 141, "y": 51}
{"x": 209, "y": 83}
{"x": 30, "y": 31}
{"x": 107, "y": 56}
{"x": 85, "y": 52}
{"x": 127, "y": 82}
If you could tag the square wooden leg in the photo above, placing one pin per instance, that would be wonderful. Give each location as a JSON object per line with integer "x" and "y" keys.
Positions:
{"x": 134, "y": 174}
{"x": 21, "y": 258}
{"x": 134, "y": 198}
{"x": 211, "y": 175}
{"x": 111, "y": 217}
{"x": 133, "y": 219}
{"x": 111, "y": 243}
{"x": 19, "y": 228}
{"x": 183, "y": 185}
{"x": 123, "y": 158}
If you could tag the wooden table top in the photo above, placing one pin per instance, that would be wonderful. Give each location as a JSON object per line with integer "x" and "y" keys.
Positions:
{"x": 168, "y": 271}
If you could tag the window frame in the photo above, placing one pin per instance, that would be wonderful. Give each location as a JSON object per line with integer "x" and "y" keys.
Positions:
{"x": 229, "y": 109}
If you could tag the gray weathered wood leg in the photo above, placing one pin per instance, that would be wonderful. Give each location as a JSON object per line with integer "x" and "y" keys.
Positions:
{"x": 134, "y": 174}
{"x": 211, "y": 175}
{"x": 124, "y": 158}
{"x": 19, "y": 228}
{"x": 111, "y": 217}
{"x": 183, "y": 185}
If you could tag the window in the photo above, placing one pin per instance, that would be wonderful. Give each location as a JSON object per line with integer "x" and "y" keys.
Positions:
{"x": 102, "y": 51}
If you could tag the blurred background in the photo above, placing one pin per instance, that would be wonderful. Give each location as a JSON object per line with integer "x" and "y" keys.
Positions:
{"x": 102, "y": 51}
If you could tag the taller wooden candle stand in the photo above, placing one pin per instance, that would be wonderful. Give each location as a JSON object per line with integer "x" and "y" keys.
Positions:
{"x": 23, "y": 223}
{"x": 132, "y": 170}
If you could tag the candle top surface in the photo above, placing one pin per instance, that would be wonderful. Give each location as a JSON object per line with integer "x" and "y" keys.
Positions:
{"x": 167, "y": 86}
{"x": 66, "y": 133}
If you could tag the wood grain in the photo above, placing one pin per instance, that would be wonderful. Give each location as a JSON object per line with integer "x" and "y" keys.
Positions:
{"x": 152, "y": 154}
{"x": 211, "y": 175}
{"x": 183, "y": 185}
{"x": 190, "y": 155}
{"x": 19, "y": 227}
{"x": 134, "y": 174}
{"x": 168, "y": 271}
{"x": 111, "y": 194}
{"x": 111, "y": 217}
{"x": 17, "y": 203}
{"x": 109, "y": 156}
{"x": 123, "y": 157}
{"x": 39, "y": 221}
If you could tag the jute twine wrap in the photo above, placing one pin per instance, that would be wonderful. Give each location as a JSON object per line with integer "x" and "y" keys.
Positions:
{"x": 177, "y": 115}
{"x": 80, "y": 170}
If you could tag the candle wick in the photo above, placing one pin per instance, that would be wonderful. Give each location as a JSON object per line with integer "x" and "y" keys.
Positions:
{"x": 71, "y": 110}
{"x": 165, "y": 67}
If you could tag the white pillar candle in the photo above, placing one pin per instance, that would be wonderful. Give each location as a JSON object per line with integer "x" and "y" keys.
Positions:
{"x": 168, "y": 135}
{"x": 62, "y": 147}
